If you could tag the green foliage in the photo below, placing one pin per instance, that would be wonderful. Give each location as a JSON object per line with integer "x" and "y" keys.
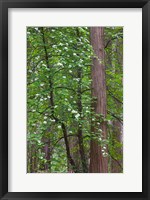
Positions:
{"x": 59, "y": 79}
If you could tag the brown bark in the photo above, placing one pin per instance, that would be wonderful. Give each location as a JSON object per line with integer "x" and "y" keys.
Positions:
{"x": 98, "y": 163}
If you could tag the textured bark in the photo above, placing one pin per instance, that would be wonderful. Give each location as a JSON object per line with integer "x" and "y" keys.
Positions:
{"x": 98, "y": 163}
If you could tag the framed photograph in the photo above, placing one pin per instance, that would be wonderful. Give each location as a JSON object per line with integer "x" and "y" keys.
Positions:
{"x": 74, "y": 99}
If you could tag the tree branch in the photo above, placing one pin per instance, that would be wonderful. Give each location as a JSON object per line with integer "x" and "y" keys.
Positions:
{"x": 111, "y": 94}
{"x": 115, "y": 160}
{"x": 113, "y": 115}
{"x": 61, "y": 87}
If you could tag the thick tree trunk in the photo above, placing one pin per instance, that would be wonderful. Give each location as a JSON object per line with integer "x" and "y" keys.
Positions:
{"x": 98, "y": 163}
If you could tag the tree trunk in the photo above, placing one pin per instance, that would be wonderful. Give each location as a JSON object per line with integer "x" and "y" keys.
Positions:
{"x": 74, "y": 149}
{"x": 116, "y": 165}
{"x": 69, "y": 157}
{"x": 80, "y": 133}
{"x": 47, "y": 153}
{"x": 52, "y": 105}
{"x": 98, "y": 163}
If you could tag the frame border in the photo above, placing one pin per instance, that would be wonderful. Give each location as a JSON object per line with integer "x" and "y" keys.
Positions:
{"x": 4, "y": 6}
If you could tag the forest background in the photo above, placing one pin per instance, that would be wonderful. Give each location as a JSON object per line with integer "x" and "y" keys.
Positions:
{"x": 75, "y": 99}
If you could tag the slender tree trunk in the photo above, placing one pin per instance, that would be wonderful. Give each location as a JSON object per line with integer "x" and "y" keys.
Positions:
{"x": 31, "y": 159}
{"x": 48, "y": 153}
{"x": 33, "y": 163}
{"x": 116, "y": 165}
{"x": 28, "y": 157}
{"x": 79, "y": 105}
{"x": 80, "y": 134}
{"x": 74, "y": 148}
{"x": 35, "y": 160}
{"x": 98, "y": 163}
{"x": 52, "y": 104}
{"x": 69, "y": 157}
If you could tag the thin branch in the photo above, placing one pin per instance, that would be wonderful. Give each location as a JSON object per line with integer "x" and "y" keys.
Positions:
{"x": 108, "y": 42}
{"x": 115, "y": 160}
{"x": 113, "y": 115}
{"x": 89, "y": 89}
{"x": 71, "y": 135}
{"x": 61, "y": 87}
{"x": 111, "y": 94}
